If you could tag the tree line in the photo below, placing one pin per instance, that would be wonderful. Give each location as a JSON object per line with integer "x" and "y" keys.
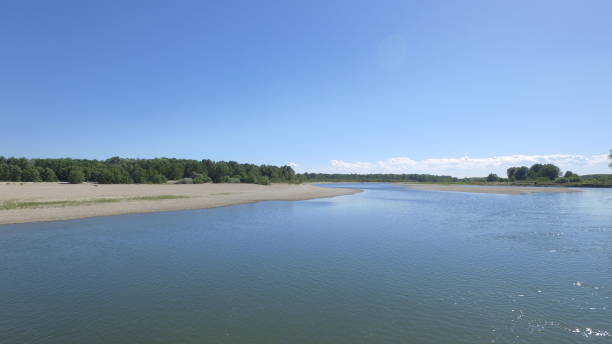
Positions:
{"x": 339, "y": 177}
{"x": 549, "y": 173}
{"x": 541, "y": 172}
{"x": 118, "y": 170}
{"x": 536, "y": 171}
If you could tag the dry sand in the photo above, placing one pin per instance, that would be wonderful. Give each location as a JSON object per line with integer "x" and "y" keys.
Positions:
{"x": 501, "y": 189}
{"x": 198, "y": 196}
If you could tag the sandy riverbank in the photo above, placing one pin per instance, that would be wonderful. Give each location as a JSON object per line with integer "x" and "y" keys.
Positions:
{"x": 501, "y": 189}
{"x": 88, "y": 200}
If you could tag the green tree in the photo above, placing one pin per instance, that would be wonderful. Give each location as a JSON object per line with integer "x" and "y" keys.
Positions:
{"x": 492, "y": 177}
{"x": 14, "y": 173}
{"x": 4, "y": 171}
{"x": 177, "y": 172}
{"x": 76, "y": 176}
{"x": 221, "y": 172}
{"x": 569, "y": 174}
{"x": 549, "y": 171}
{"x": 30, "y": 174}
{"x": 48, "y": 175}
{"x": 139, "y": 175}
{"x": 534, "y": 171}
{"x": 155, "y": 177}
{"x": 510, "y": 172}
{"x": 521, "y": 173}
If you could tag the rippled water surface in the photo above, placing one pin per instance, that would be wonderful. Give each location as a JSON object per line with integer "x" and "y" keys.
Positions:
{"x": 389, "y": 265}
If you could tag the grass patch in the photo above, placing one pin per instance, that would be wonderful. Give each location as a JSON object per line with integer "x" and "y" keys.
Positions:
{"x": 155, "y": 198}
{"x": 8, "y": 205}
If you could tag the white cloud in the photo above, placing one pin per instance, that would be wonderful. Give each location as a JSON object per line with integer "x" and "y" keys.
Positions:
{"x": 292, "y": 164}
{"x": 467, "y": 166}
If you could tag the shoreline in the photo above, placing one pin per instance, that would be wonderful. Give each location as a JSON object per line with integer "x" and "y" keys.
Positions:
{"x": 41, "y": 202}
{"x": 489, "y": 189}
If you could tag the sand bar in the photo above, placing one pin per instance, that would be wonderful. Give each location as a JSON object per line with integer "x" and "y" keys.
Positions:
{"x": 57, "y": 201}
{"x": 497, "y": 189}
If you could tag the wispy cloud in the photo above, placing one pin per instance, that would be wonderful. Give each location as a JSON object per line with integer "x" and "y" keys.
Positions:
{"x": 467, "y": 166}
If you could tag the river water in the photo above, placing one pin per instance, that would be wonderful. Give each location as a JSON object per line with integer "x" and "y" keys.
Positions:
{"x": 388, "y": 265}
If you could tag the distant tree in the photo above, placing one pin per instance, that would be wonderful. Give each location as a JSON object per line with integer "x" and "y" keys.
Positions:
{"x": 549, "y": 171}
{"x": 520, "y": 173}
{"x": 114, "y": 160}
{"x": 48, "y": 175}
{"x": 492, "y": 177}
{"x": 4, "y": 171}
{"x": 221, "y": 170}
{"x": 534, "y": 171}
{"x": 14, "y": 173}
{"x": 287, "y": 173}
{"x": 177, "y": 172}
{"x": 76, "y": 176}
{"x": 30, "y": 174}
{"x": 155, "y": 177}
{"x": 569, "y": 174}
{"x": 139, "y": 175}
{"x": 510, "y": 172}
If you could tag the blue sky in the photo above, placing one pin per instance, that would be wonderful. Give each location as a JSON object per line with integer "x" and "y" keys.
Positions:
{"x": 325, "y": 85}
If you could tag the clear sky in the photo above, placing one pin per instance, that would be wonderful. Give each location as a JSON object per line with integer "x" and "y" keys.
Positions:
{"x": 327, "y": 85}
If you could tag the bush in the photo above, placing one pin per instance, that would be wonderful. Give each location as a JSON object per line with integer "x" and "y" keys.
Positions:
{"x": 201, "y": 179}
{"x": 228, "y": 179}
{"x": 262, "y": 180}
{"x": 185, "y": 181}
{"x": 76, "y": 176}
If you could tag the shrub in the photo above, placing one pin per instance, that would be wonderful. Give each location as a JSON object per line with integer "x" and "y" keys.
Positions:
{"x": 262, "y": 180}
{"x": 185, "y": 181}
{"x": 200, "y": 178}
